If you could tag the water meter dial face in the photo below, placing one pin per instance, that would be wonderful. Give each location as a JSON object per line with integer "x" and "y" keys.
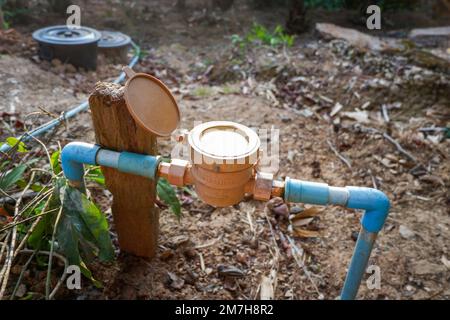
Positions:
{"x": 224, "y": 142}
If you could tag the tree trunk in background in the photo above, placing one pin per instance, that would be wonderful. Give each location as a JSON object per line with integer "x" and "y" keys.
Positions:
{"x": 180, "y": 5}
{"x": 441, "y": 8}
{"x": 59, "y": 6}
{"x": 2, "y": 20}
{"x": 296, "y": 22}
{"x": 223, "y": 5}
{"x": 136, "y": 219}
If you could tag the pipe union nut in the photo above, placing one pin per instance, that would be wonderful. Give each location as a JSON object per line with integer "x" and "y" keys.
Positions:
{"x": 177, "y": 171}
{"x": 263, "y": 186}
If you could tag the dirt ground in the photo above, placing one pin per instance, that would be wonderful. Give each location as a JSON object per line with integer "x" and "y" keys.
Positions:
{"x": 293, "y": 90}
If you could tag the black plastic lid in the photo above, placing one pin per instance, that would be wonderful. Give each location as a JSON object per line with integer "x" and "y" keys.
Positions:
{"x": 113, "y": 39}
{"x": 62, "y": 35}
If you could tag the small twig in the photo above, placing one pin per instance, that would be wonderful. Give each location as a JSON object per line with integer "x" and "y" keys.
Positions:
{"x": 341, "y": 157}
{"x": 202, "y": 262}
{"x": 50, "y": 256}
{"x": 399, "y": 147}
{"x": 391, "y": 140}
{"x": 296, "y": 253}
{"x": 46, "y": 152}
{"x": 250, "y": 222}
{"x": 22, "y": 272}
{"x": 10, "y": 256}
{"x": 5, "y": 247}
{"x": 12, "y": 198}
{"x": 29, "y": 232}
{"x": 6, "y": 196}
{"x": 276, "y": 257}
{"x": 60, "y": 257}
{"x": 385, "y": 113}
{"x": 432, "y": 129}
{"x": 11, "y": 225}
{"x": 374, "y": 180}
{"x": 209, "y": 244}
{"x": 35, "y": 201}
{"x": 48, "y": 113}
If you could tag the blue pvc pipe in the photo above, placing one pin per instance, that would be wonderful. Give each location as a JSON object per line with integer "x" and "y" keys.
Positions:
{"x": 72, "y": 112}
{"x": 139, "y": 164}
{"x": 358, "y": 264}
{"x": 75, "y": 154}
{"x": 376, "y": 206}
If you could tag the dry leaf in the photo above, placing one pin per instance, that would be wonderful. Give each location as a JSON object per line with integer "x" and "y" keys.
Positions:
{"x": 302, "y": 222}
{"x": 337, "y": 107}
{"x": 431, "y": 179}
{"x": 310, "y": 212}
{"x": 445, "y": 262}
{"x": 302, "y": 233}
{"x": 266, "y": 292}
{"x": 360, "y": 116}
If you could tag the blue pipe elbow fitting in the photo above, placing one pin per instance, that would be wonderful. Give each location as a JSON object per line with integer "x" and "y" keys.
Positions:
{"x": 74, "y": 155}
{"x": 374, "y": 202}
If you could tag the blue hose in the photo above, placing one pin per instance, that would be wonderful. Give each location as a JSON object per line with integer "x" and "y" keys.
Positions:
{"x": 72, "y": 112}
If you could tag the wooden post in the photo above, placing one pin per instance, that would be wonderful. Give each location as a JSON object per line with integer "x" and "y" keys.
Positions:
{"x": 136, "y": 218}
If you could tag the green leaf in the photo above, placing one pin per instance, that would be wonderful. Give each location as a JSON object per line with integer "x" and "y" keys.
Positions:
{"x": 87, "y": 223}
{"x": 38, "y": 239}
{"x": 167, "y": 194}
{"x": 44, "y": 229}
{"x": 14, "y": 142}
{"x": 54, "y": 158}
{"x": 67, "y": 235}
{"x": 12, "y": 177}
{"x": 36, "y": 187}
{"x": 95, "y": 174}
{"x": 88, "y": 274}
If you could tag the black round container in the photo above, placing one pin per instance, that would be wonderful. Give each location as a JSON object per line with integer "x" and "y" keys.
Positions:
{"x": 75, "y": 46}
{"x": 114, "y": 46}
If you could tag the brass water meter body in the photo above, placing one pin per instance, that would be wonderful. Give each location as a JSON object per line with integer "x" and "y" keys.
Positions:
{"x": 223, "y": 155}
{"x": 222, "y": 166}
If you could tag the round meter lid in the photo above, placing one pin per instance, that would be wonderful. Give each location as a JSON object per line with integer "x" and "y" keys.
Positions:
{"x": 225, "y": 140}
{"x": 151, "y": 103}
{"x": 113, "y": 39}
{"x": 63, "y": 35}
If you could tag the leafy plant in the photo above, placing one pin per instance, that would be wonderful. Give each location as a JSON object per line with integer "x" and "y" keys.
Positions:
{"x": 12, "y": 10}
{"x": 11, "y": 177}
{"x": 167, "y": 194}
{"x": 67, "y": 221}
{"x": 260, "y": 34}
{"x": 80, "y": 229}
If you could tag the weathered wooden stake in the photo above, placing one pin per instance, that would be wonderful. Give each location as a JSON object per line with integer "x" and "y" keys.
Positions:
{"x": 136, "y": 218}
